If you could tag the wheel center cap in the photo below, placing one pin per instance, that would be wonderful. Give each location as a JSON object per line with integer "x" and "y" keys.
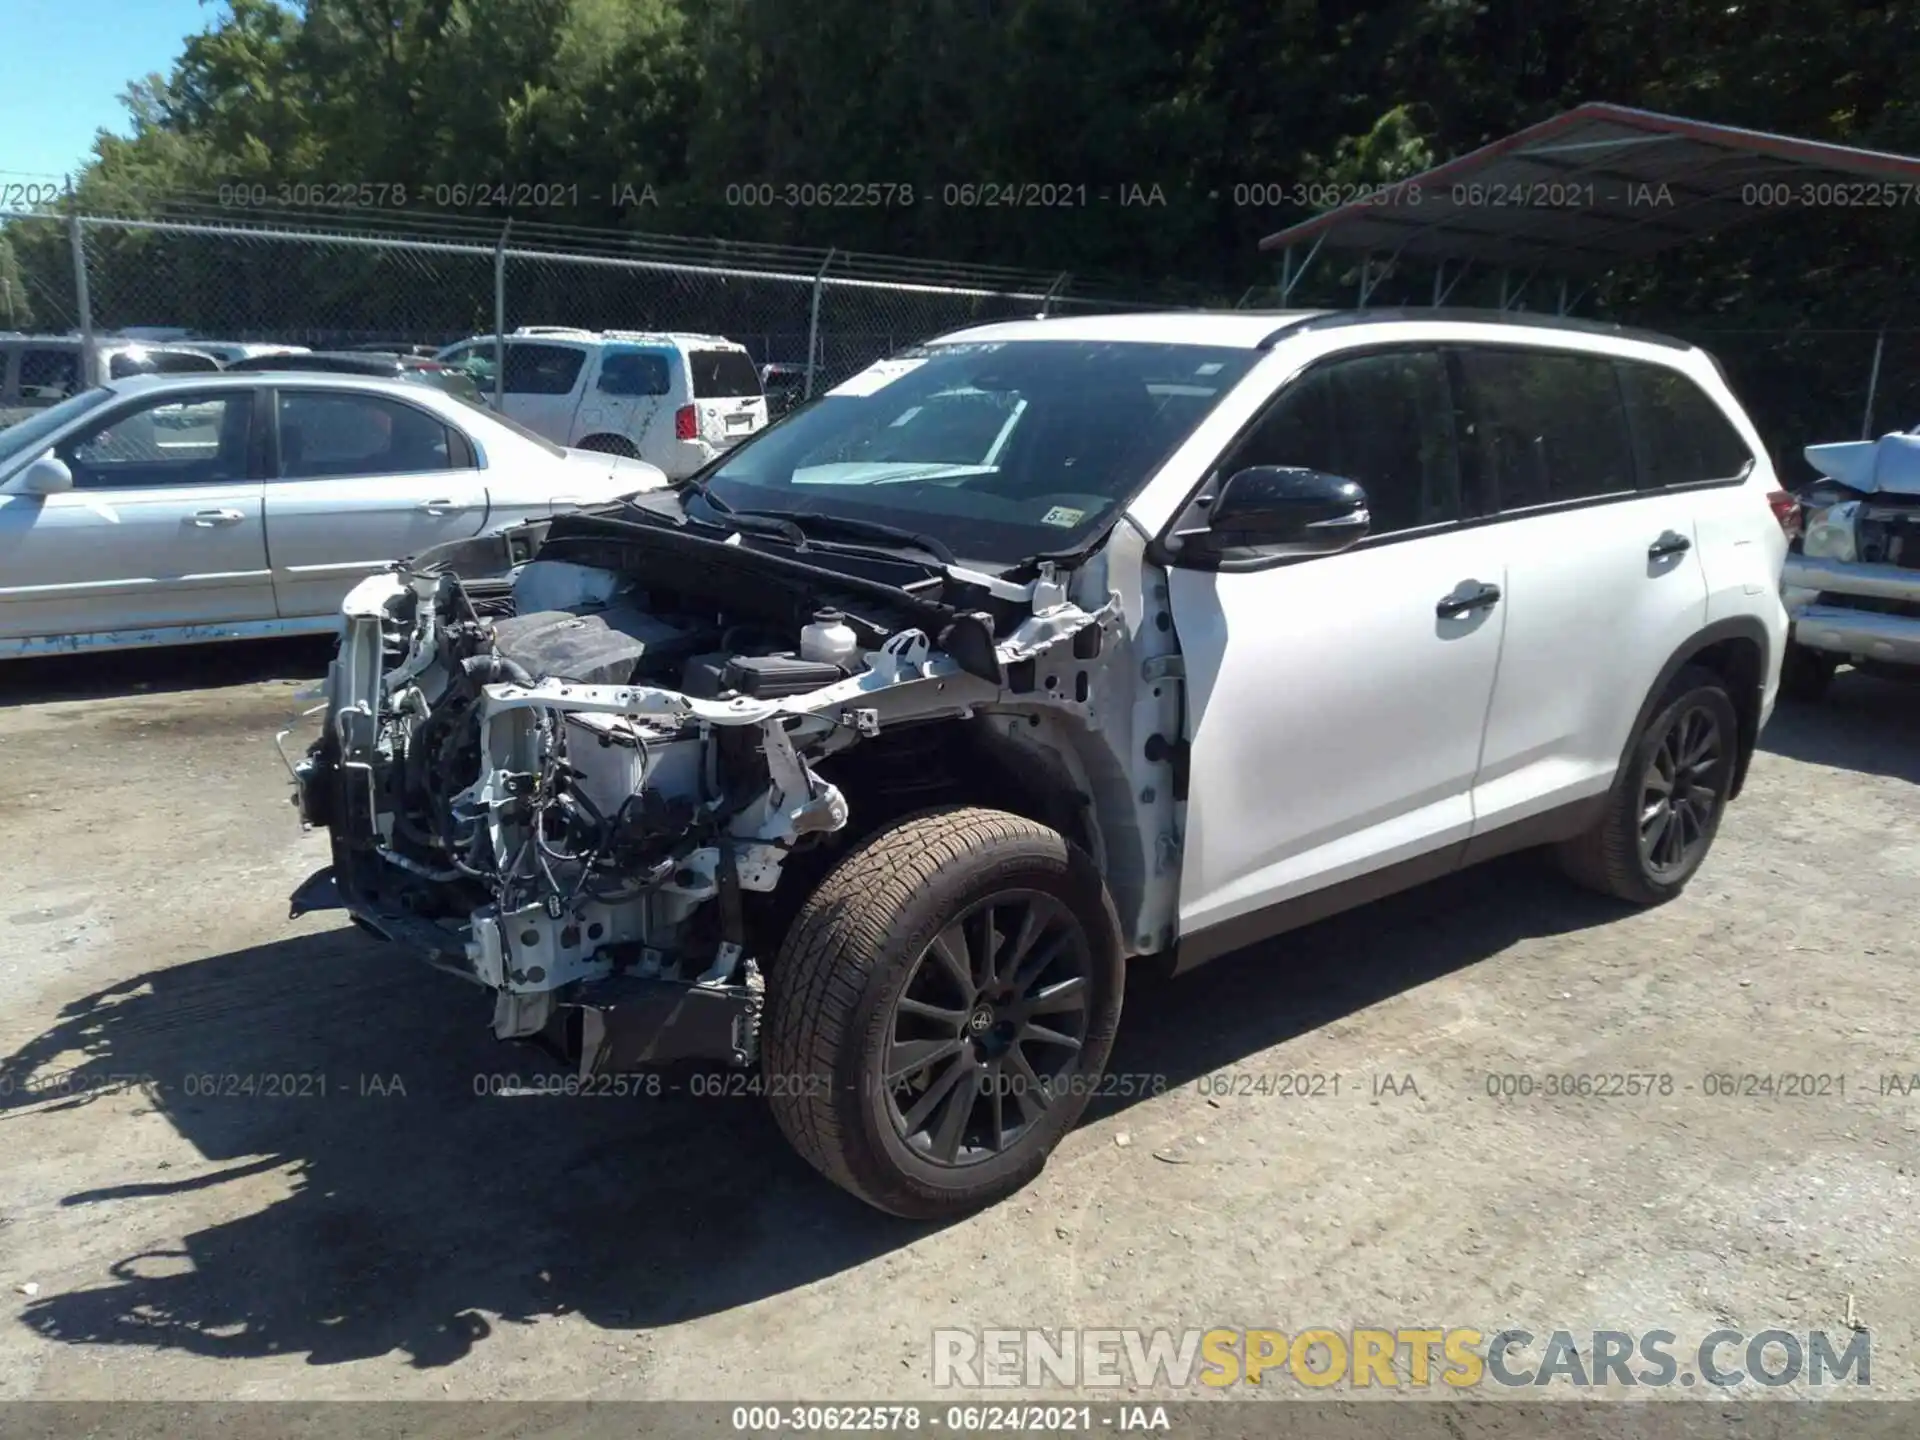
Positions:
{"x": 980, "y": 1021}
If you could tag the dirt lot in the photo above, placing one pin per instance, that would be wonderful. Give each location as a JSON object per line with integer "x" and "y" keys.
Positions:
{"x": 401, "y": 1236}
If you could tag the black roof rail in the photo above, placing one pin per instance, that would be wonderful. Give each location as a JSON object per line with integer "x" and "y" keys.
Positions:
{"x": 1528, "y": 319}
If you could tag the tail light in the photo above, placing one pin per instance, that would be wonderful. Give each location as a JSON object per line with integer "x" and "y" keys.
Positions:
{"x": 1786, "y": 510}
{"x": 686, "y": 423}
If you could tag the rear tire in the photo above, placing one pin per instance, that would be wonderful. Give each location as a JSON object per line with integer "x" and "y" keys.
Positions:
{"x": 610, "y": 445}
{"x": 1665, "y": 806}
{"x": 1805, "y": 673}
{"x": 941, "y": 1010}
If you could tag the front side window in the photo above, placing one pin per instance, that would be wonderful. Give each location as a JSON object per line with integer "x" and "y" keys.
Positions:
{"x": 1683, "y": 438}
{"x": 333, "y": 436}
{"x": 723, "y": 375}
{"x": 1543, "y": 427}
{"x": 1001, "y": 450}
{"x": 542, "y": 369}
{"x": 189, "y": 440}
{"x": 1384, "y": 419}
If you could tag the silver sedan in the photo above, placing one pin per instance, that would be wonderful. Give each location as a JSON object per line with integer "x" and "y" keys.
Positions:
{"x": 160, "y": 510}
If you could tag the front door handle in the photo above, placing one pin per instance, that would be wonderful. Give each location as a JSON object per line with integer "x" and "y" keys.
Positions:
{"x": 207, "y": 519}
{"x": 1472, "y": 595}
{"x": 1671, "y": 542}
{"x": 440, "y": 507}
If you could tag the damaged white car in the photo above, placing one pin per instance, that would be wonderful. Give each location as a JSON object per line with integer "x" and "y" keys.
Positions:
{"x": 867, "y": 758}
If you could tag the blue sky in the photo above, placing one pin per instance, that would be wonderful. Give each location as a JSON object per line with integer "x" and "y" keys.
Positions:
{"x": 64, "y": 63}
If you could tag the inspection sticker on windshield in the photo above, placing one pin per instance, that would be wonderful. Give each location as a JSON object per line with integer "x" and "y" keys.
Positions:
{"x": 877, "y": 376}
{"x": 1064, "y": 515}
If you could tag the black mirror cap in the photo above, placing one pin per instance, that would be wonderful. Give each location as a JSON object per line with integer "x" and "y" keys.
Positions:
{"x": 1295, "y": 510}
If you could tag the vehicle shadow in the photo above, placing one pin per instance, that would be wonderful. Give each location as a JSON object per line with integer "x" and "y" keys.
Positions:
{"x": 96, "y": 675}
{"x": 424, "y": 1212}
{"x": 1864, "y": 723}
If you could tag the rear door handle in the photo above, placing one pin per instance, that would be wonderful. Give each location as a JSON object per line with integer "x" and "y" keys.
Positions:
{"x": 1671, "y": 542}
{"x": 441, "y": 507}
{"x": 1472, "y": 595}
{"x": 207, "y": 519}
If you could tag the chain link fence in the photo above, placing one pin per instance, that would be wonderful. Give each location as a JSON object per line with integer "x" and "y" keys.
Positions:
{"x": 327, "y": 286}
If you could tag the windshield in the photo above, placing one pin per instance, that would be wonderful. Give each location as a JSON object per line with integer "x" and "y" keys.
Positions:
{"x": 1002, "y": 450}
{"x": 30, "y": 436}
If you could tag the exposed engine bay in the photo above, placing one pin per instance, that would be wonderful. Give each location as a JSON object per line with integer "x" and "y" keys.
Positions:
{"x": 591, "y": 763}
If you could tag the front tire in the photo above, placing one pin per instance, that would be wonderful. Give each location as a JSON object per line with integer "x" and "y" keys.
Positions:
{"x": 1665, "y": 806}
{"x": 941, "y": 1010}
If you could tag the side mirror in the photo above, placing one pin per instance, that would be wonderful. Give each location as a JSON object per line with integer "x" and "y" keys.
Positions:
{"x": 48, "y": 475}
{"x": 1280, "y": 509}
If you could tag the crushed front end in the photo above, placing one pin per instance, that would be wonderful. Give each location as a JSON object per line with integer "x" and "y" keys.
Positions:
{"x": 570, "y": 762}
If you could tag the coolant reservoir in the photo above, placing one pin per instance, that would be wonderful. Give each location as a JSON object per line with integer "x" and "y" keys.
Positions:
{"x": 829, "y": 640}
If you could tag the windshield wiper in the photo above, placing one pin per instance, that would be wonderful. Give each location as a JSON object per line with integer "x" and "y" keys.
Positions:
{"x": 809, "y": 521}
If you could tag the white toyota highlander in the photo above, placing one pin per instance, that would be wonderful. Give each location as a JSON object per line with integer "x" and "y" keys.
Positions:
{"x": 867, "y": 758}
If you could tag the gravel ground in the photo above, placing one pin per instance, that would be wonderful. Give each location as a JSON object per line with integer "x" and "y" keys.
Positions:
{"x": 402, "y": 1236}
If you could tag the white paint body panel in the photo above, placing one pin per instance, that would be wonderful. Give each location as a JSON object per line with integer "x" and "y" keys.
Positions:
{"x": 1334, "y": 718}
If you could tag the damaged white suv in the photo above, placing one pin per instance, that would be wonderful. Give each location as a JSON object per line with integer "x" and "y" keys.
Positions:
{"x": 867, "y": 758}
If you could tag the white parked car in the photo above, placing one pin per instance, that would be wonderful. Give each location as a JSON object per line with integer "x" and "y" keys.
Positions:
{"x": 1852, "y": 583}
{"x": 675, "y": 401}
{"x": 867, "y": 761}
{"x": 38, "y": 371}
{"x": 228, "y": 351}
{"x": 159, "y": 510}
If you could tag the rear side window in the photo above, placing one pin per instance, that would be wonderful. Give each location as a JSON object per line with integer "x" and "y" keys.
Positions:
{"x": 542, "y": 369}
{"x": 1543, "y": 426}
{"x": 1681, "y": 436}
{"x": 723, "y": 375}
{"x": 47, "y": 375}
{"x": 1385, "y": 420}
{"x": 328, "y": 435}
{"x": 633, "y": 372}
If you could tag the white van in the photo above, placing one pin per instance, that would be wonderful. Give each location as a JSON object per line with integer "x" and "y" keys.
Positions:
{"x": 673, "y": 400}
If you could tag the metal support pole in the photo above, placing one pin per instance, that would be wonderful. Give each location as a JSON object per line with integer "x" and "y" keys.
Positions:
{"x": 1873, "y": 384}
{"x": 1286, "y": 274}
{"x": 1504, "y": 277}
{"x": 1563, "y": 297}
{"x": 500, "y": 319}
{"x": 1058, "y": 286}
{"x": 1366, "y": 274}
{"x": 82, "y": 296}
{"x": 813, "y": 326}
{"x": 1439, "y": 278}
{"x": 1294, "y": 274}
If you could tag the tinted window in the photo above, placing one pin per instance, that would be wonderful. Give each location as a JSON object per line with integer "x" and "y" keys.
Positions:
{"x": 1681, "y": 435}
{"x": 542, "y": 369}
{"x": 723, "y": 374}
{"x": 1385, "y": 420}
{"x": 48, "y": 375}
{"x": 633, "y": 373}
{"x": 325, "y": 436}
{"x": 1543, "y": 427}
{"x": 1002, "y": 451}
{"x": 192, "y": 440}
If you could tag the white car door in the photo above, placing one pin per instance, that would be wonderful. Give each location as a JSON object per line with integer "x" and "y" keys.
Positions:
{"x": 542, "y": 386}
{"x": 1604, "y": 578}
{"x": 361, "y": 480}
{"x": 1335, "y": 704}
{"x": 627, "y": 397}
{"x": 162, "y": 528}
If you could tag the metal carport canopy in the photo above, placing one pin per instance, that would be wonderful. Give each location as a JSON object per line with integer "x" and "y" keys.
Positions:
{"x": 1596, "y": 187}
